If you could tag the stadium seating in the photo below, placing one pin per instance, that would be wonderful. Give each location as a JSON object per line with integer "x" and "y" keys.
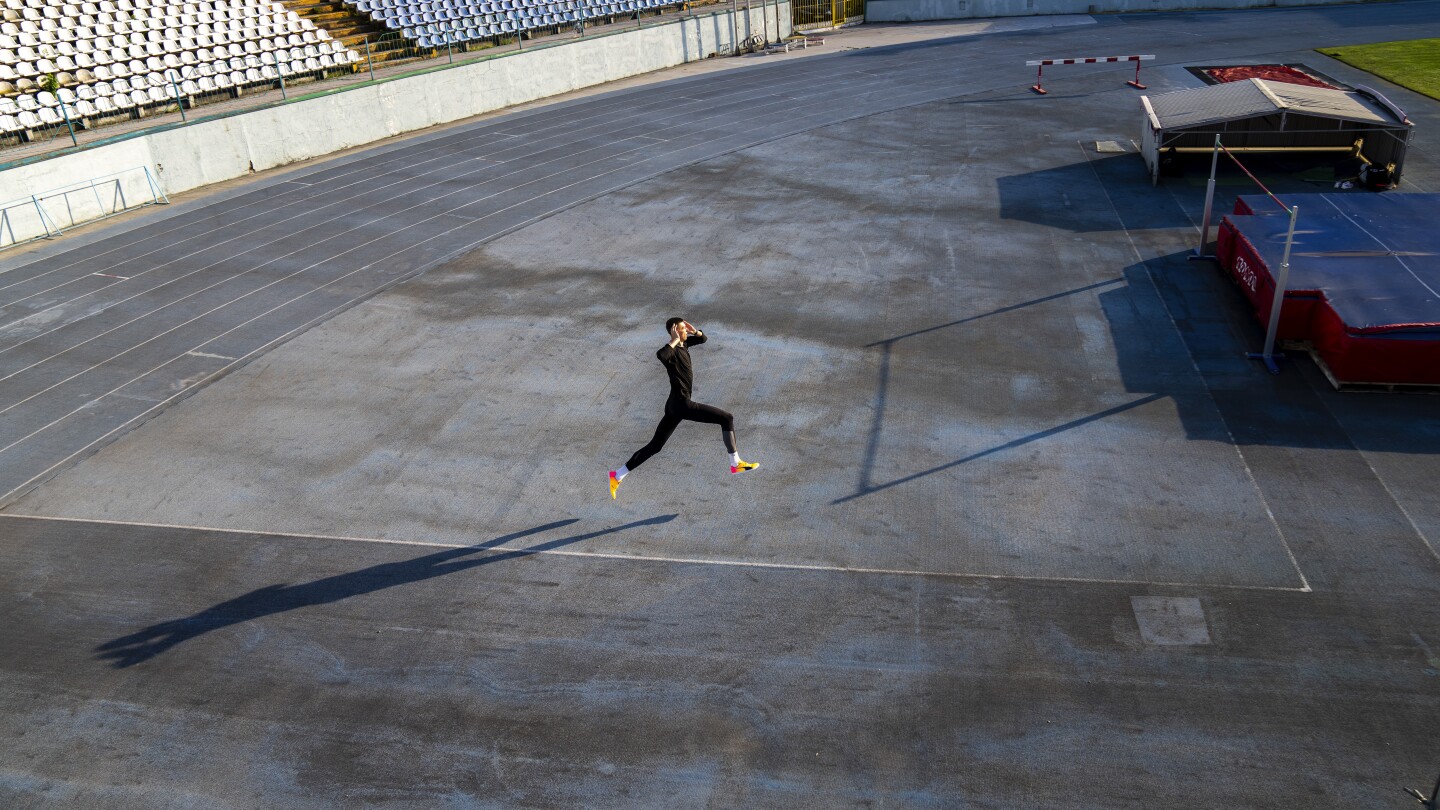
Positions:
{"x": 434, "y": 23}
{"x": 110, "y": 57}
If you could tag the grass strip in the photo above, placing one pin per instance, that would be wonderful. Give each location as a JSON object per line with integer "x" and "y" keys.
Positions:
{"x": 1413, "y": 63}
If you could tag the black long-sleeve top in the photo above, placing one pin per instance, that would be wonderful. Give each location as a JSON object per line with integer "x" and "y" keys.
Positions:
{"x": 676, "y": 360}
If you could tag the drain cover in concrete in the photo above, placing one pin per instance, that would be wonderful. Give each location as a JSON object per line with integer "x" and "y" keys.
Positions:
{"x": 1172, "y": 621}
{"x": 1110, "y": 146}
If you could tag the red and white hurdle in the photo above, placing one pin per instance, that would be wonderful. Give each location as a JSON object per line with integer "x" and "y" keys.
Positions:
{"x": 1040, "y": 64}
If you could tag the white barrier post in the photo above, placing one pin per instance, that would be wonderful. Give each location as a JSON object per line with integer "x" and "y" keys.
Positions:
{"x": 1268, "y": 356}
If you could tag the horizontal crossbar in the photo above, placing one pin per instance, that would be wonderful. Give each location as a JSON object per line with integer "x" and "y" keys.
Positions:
{"x": 1087, "y": 60}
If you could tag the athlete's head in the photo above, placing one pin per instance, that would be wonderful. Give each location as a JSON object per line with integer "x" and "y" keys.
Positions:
{"x": 670, "y": 324}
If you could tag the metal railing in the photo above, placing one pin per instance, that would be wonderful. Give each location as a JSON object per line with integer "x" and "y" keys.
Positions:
{"x": 47, "y": 214}
{"x": 826, "y": 13}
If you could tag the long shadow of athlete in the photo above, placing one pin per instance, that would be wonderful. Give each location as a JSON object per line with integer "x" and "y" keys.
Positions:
{"x": 127, "y": 651}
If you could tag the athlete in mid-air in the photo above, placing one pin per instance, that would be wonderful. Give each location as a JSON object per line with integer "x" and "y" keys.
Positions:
{"x": 675, "y": 356}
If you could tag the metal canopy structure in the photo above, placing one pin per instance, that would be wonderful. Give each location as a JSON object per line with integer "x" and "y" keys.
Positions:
{"x": 1265, "y": 116}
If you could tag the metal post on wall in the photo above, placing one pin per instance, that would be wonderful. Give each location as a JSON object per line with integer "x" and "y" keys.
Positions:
{"x": 370, "y": 63}
{"x": 68, "y": 125}
{"x": 1268, "y": 356}
{"x": 1209, "y": 203}
{"x": 175, "y": 90}
{"x": 45, "y": 221}
{"x": 275, "y": 57}
{"x": 448, "y": 52}
{"x": 99, "y": 203}
{"x": 156, "y": 193}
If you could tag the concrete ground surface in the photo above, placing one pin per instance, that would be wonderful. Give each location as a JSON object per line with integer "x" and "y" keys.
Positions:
{"x": 294, "y": 525}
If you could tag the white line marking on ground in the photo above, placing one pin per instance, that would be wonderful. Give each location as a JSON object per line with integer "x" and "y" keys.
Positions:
{"x": 208, "y": 354}
{"x": 654, "y": 558}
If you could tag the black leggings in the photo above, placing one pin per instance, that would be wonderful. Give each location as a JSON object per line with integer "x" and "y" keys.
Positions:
{"x": 677, "y": 411}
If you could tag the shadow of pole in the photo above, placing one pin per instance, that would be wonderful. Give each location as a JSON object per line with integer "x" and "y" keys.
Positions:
{"x": 877, "y": 419}
{"x": 882, "y": 386}
{"x": 1010, "y": 445}
{"x": 127, "y": 651}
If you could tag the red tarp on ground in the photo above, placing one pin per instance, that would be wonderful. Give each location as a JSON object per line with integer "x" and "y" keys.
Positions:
{"x": 1273, "y": 73}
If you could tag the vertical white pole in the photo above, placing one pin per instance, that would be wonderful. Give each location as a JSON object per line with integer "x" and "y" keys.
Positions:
{"x": 1209, "y": 198}
{"x": 1268, "y": 356}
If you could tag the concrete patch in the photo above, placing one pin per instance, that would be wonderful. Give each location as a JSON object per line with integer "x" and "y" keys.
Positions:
{"x": 1167, "y": 621}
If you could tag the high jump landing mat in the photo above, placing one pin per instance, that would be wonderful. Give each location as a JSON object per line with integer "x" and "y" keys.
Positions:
{"x": 1364, "y": 284}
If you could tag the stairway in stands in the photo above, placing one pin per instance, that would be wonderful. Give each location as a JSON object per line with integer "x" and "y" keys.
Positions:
{"x": 353, "y": 28}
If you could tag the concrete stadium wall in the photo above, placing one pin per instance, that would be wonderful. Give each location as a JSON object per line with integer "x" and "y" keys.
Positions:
{"x": 929, "y": 10}
{"x": 187, "y": 156}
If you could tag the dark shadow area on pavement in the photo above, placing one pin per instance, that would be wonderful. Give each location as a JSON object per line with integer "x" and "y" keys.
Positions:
{"x": 127, "y": 651}
{"x": 1066, "y": 197}
{"x": 1010, "y": 445}
{"x": 1251, "y": 406}
{"x": 1176, "y": 316}
{"x": 1231, "y": 398}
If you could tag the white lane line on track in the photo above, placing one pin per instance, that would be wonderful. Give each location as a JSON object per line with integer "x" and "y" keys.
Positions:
{"x": 327, "y": 193}
{"x": 405, "y": 167}
{"x": 275, "y": 259}
{"x": 655, "y": 558}
{"x": 799, "y": 75}
{"x": 632, "y": 112}
{"x": 1195, "y": 365}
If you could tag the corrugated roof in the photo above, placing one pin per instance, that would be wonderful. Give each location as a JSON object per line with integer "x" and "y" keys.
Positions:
{"x": 1257, "y": 97}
